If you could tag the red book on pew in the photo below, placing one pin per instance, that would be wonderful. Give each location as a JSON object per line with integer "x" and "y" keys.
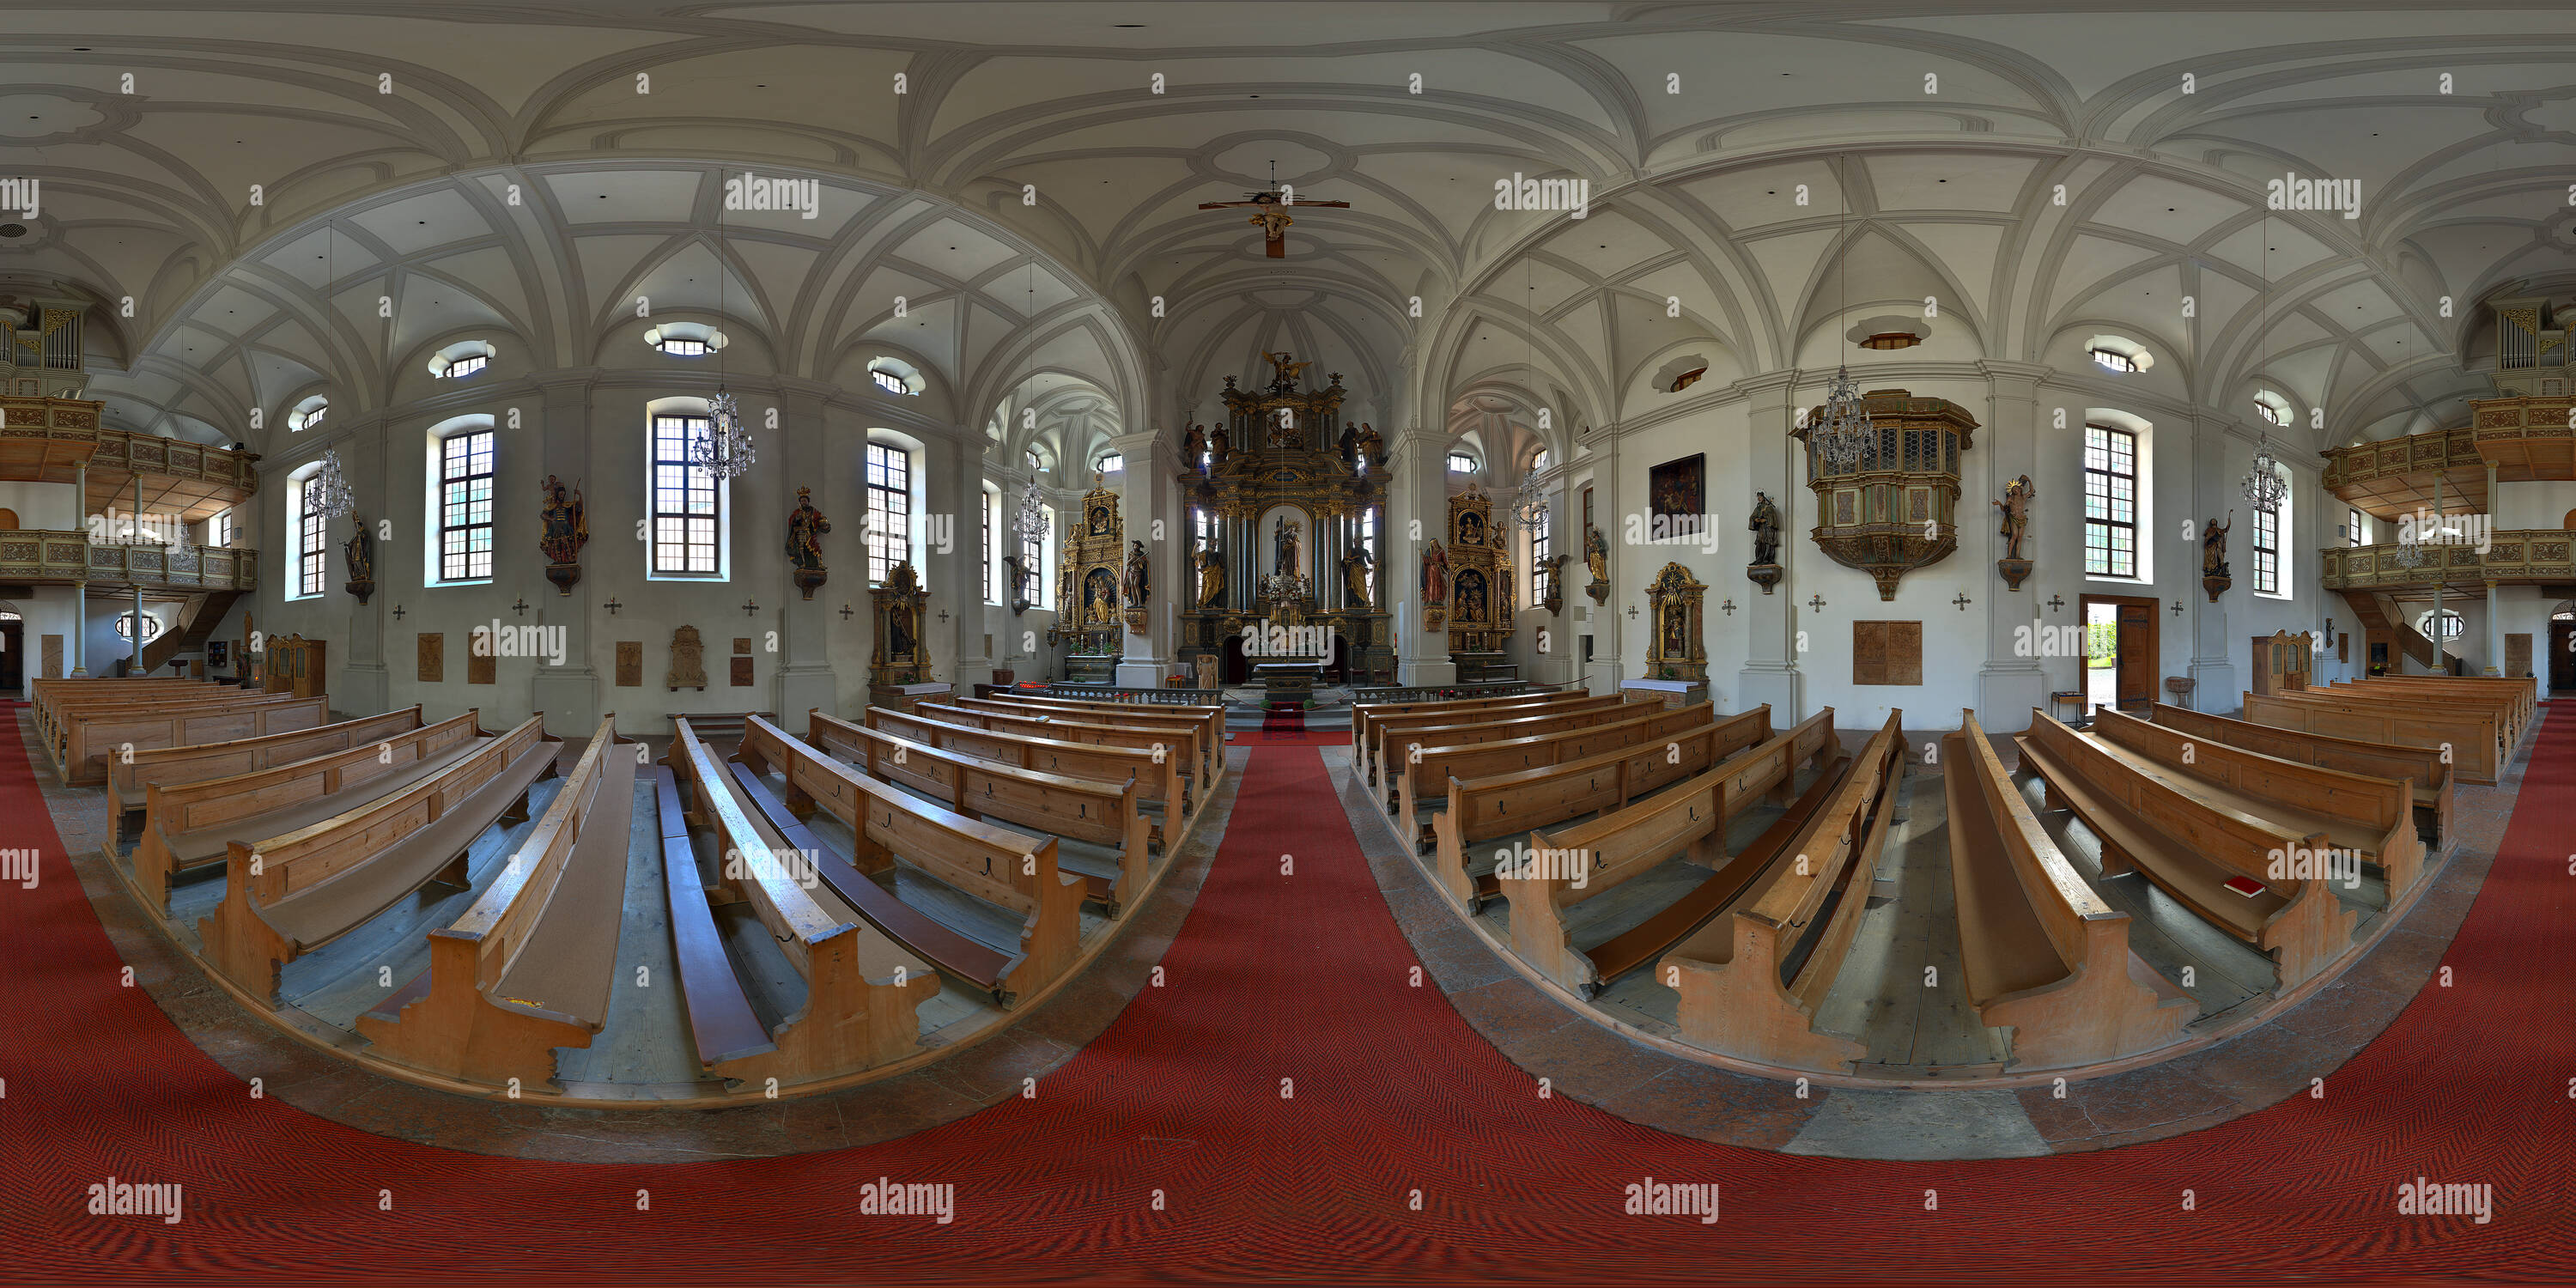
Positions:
{"x": 2246, "y": 886}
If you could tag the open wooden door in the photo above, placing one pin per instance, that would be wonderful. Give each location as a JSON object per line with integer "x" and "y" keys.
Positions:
{"x": 2137, "y": 656}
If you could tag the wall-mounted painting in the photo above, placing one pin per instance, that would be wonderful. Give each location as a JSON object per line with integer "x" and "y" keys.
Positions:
{"x": 1677, "y": 492}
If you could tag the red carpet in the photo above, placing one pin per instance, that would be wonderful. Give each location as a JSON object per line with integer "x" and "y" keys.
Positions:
{"x": 1303, "y": 976}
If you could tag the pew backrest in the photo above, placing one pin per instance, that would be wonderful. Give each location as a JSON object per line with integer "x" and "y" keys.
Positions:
{"x": 196, "y": 762}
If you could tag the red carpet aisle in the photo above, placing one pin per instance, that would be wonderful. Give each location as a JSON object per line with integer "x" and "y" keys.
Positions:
{"x": 1303, "y": 977}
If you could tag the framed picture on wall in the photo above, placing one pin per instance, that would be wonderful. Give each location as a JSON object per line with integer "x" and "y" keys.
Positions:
{"x": 1677, "y": 493}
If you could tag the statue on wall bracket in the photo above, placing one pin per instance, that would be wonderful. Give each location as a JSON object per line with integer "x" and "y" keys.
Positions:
{"x": 1211, "y": 562}
{"x": 1555, "y": 600}
{"x": 1596, "y": 558}
{"x": 567, "y": 530}
{"x": 361, "y": 552}
{"x": 2213, "y": 557}
{"x": 2016, "y": 525}
{"x": 1136, "y": 586}
{"x": 805, "y": 528}
{"x": 1765, "y": 570}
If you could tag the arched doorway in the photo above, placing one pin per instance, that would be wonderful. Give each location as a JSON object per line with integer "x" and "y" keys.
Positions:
{"x": 1231, "y": 667}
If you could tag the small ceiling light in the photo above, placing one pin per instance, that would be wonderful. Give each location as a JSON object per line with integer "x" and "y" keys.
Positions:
{"x": 1892, "y": 340}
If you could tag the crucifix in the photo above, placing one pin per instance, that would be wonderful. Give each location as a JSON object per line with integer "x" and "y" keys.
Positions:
{"x": 750, "y": 606}
{"x": 398, "y": 612}
{"x": 2177, "y": 608}
{"x": 1962, "y": 601}
{"x": 846, "y": 610}
{"x": 612, "y": 606}
{"x": 1270, "y": 210}
{"x": 2056, "y": 602}
{"x": 520, "y": 609}
{"x": 1728, "y": 607}
{"x": 1816, "y": 603}
{"x": 943, "y": 614}
{"x": 1632, "y": 612}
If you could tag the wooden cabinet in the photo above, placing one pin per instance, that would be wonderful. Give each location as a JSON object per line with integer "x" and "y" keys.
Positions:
{"x": 294, "y": 665}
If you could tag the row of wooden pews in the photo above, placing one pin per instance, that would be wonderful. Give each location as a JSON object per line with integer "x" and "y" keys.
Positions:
{"x": 1367, "y": 716}
{"x": 131, "y": 777}
{"x": 2476, "y": 723}
{"x": 87, "y": 730}
{"x": 1430, "y": 758}
{"x": 2426, "y": 771}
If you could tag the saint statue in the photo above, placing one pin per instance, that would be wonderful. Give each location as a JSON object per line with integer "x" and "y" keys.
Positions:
{"x": 361, "y": 550}
{"x": 805, "y": 528}
{"x": 1371, "y": 447}
{"x": 2016, "y": 520}
{"x": 899, "y": 634}
{"x": 1284, "y": 538}
{"x": 1596, "y": 553}
{"x": 1138, "y": 582}
{"x": 1355, "y": 577}
{"x": 567, "y": 525}
{"x": 1194, "y": 445}
{"x": 1765, "y": 527}
{"x": 1099, "y": 598}
{"x": 1219, "y": 444}
{"x": 1435, "y": 575}
{"x": 1284, "y": 372}
{"x": 1021, "y": 576}
{"x": 1211, "y": 577}
{"x": 2213, "y": 546}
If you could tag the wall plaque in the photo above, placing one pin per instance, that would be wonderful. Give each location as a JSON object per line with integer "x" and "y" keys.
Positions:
{"x": 1887, "y": 652}
{"x": 630, "y": 664}
{"x": 481, "y": 666}
{"x": 741, "y": 643}
{"x": 432, "y": 648}
{"x": 741, "y": 672}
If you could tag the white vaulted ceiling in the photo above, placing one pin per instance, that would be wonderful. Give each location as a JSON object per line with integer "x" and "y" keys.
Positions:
{"x": 1035, "y": 201}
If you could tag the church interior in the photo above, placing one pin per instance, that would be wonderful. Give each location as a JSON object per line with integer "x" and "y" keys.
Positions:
{"x": 613, "y": 608}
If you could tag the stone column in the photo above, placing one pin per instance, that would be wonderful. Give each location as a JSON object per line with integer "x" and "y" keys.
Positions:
{"x": 804, "y": 679}
{"x": 80, "y": 589}
{"x": 1770, "y": 673}
{"x": 1149, "y": 506}
{"x": 1417, "y": 512}
{"x": 2010, "y": 684}
{"x": 568, "y": 694}
{"x": 2495, "y": 602}
{"x": 364, "y": 685}
{"x": 2214, "y": 495}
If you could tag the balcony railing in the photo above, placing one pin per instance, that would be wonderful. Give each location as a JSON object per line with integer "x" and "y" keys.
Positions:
{"x": 63, "y": 557}
{"x": 2512, "y": 555}
{"x": 46, "y": 432}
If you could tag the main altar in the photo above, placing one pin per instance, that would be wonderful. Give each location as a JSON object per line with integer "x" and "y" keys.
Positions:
{"x": 1282, "y": 582}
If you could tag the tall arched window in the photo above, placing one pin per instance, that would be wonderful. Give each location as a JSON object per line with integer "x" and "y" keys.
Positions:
{"x": 305, "y": 548}
{"x": 2271, "y": 528}
{"x": 2110, "y": 502}
{"x": 687, "y": 501}
{"x": 465, "y": 473}
{"x": 889, "y": 488}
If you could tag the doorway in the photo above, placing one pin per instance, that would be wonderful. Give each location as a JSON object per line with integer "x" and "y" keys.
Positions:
{"x": 1231, "y": 667}
{"x": 2120, "y": 652}
{"x": 13, "y": 655}
{"x": 2562, "y": 653}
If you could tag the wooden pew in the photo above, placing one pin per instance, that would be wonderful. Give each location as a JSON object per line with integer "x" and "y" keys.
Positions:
{"x": 2152, "y": 822}
{"x": 288, "y": 895}
{"x": 92, "y": 735}
{"x": 1165, "y": 775}
{"x": 717, "y": 724}
{"x": 171, "y": 766}
{"x": 2512, "y": 709}
{"x": 2041, "y": 954}
{"x": 862, "y": 990}
{"x": 1111, "y": 765}
{"x": 1365, "y": 715}
{"x": 2521, "y": 690}
{"x": 529, "y": 967}
{"x": 1083, "y": 809}
{"x": 1751, "y": 979}
{"x": 722, "y": 1024}
{"x": 189, "y": 825}
{"x": 43, "y": 695}
{"x": 2423, "y": 767}
{"x": 62, "y": 711}
{"x": 1209, "y": 718}
{"x": 1395, "y": 735}
{"x": 1529, "y": 742}
{"x": 995, "y": 864}
{"x": 2471, "y": 738}
{"x": 1186, "y": 736}
{"x": 2373, "y": 817}
{"x": 1593, "y": 857}
{"x": 1484, "y": 807}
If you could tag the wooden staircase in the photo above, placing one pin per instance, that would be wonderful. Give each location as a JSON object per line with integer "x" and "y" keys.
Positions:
{"x": 196, "y": 623}
{"x": 2381, "y": 617}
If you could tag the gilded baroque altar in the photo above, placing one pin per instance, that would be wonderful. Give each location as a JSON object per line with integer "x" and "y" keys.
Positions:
{"x": 1088, "y": 581}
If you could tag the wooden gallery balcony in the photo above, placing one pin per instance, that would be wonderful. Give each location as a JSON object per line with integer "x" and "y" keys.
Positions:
{"x": 47, "y": 440}
{"x": 2514, "y": 556}
{"x": 60, "y": 558}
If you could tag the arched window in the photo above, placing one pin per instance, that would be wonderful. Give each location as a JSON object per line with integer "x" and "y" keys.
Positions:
{"x": 686, "y": 537}
{"x": 2119, "y": 353}
{"x": 461, "y": 359}
{"x": 305, "y": 548}
{"x": 2453, "y": 625}
{"x": 1540, "y": 462}
{"x": 308, "y": 413}
{"x": 1461, "y": 463}
{"x": 2110, "y": 502}
{"x": 152, "y": 627}
{"x": 1111, "y": 463}
{"x": 1036, "y": 466}
{"x": 992, "y": 552}
{"x": 465, "y": 473}
{"x": 684, "y": 339}
{"x": 2271, "y": 407}
{"x": 2271, "y": 527}
{"x": 889, "y": 488}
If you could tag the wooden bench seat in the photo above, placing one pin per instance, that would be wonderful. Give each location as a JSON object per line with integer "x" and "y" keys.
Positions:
{"x": 1420, "y": 768}
{"x": 1393, "y": 737}
{"x": 994, "y": 864}
{"x": 2471, "y": 737}
{"x": 44, "y": 695}
{"x": 127, "y": 778}
{"x": 1751, "y": 979}
{"x": 288, "y": 895}
{"x": 2422, "y": 768}
{"x": 91, "y": 735}
{"x": 722, "y": 1024}
{"x": 2512, "y": 709}
{"x": 1184, "y": 737}
{"x": 1080, "y": 809}
{"x": 530, "y": 966}
{"x": 1056, "y": 749}
{"x": 2372, "y": 817}
{"x": 1208, "y": 718}
{"x": 2154, "y": 823}
{"x": 1366, "y": 715}
{"x": 1483, "y": 807}
{"x": 189, "y": 825}
{"x": 2042, "y": 955}
{"x": 718, "y": 724}
{"x": 862, "y": 990}
{"x": 1592, "y": 858}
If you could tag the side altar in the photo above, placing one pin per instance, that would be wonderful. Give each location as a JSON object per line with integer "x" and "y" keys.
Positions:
{"x": 1089, "y": 620}
{"x": 1286, "y": 502}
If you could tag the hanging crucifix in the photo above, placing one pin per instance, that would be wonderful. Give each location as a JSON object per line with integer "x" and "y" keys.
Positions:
{"x": 1270, "y": 210}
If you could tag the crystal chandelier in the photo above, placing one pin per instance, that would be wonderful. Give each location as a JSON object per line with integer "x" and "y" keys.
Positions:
{"x": 1031, "y": 523}
{"x": 2264, "y": 487}
{"x": 1529, "y": 504}
{"x": 725, "y": 450}
{"x": 329, "y": 493}
{"x": 2409, "y": 554}
{"x": 1844, "y": 433}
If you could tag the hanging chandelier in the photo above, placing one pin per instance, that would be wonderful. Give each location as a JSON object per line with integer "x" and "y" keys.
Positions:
{"x": 725, "y": 450}
{"x": 329, "y": 493}
{"x": 1529, "y": 504}
{"x": 2264, "y": 487}
{"x": 1032, "y": 523}
{"x": 1844, "y": 433}
{"x": 2409, "y": 553}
